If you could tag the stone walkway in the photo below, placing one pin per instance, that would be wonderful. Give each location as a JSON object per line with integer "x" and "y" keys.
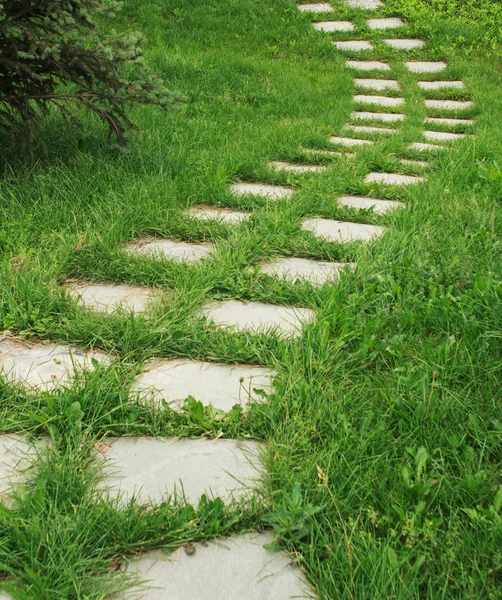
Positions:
{"x": 152, "y": 469}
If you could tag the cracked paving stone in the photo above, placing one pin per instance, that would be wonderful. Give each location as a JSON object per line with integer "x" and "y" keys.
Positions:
{"x": 353, "y": 45}
{"x": 373, "y": 116}
{"x": 378, "y": 100}
{"x": 334, "y": 26}
{"x": 393, "y": 179}
{"x": 368, "y": 65}
{"x": 294, "y": 168}
{"x": 223, "y": 215}
{"x": 378, "y": 84}
{"x": 425, "y": 67}
{"x": 378, "y": 205}
{"x": 171, "y": 250}
{"x": 314, "y": 271}
{"x": 342, "y": 231}
{"x": 108, "y": 297}
{"x": 272, "y": 192}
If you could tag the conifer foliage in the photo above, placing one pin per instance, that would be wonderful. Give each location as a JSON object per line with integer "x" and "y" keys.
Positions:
{"x": 52, "y": 53}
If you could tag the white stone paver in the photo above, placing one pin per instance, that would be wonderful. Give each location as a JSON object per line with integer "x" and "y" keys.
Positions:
{"x": 377, "y": 84}
{"x": 421, "y": 147}
{"x": 319, "y": 7}
{"x": 349, "y": 141}
{"x": 379, "y": 206}
{"x": 294, "y": 269}
{"x": 171, "y": 250}
{"x": 152, "y": 468}
{"x": 439, "y": 85}
{"x": 334, "y": 26}
{"x": 258, "y": 317}
{"x": 374, "y": 116}
{"x": 452, "y": 122}
{"x": 237, "y": 568}
{"x": 221, "y": 386}
{"x": 368, "y": 65}
{"x": 222, "y": 215}
{"x": 44, "y": 366}
{"x": 16, "y": 456}
{"x": 448, "y": 104}
{"x": 419, "y": 164}
{"x": 385, "y": 23}
{"x": 108, "y": 297}
{"x": 364, "y": 4}
{"x": 440, "y": 136}
{"x": 379, "y": 100}
{"x": 342, "y": 231}
{"x": 292, "y": 168}
{"x": 321, "y": 152}
{"x": 364, "y": 129}
{"x": 405, "y": 44}
{"x": 425, "y": 66}
{"x": 392, "y": 179}
{"x": 272, "y": 192}
{"x": 353, "y": 45}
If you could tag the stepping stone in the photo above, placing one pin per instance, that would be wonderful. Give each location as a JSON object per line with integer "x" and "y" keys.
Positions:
{"x": 439, "y": 85}
{"x": 16, "y": 456}
{"x": 334, "y": 26}
{"x": 272, "y": 192}
{"x": 405, "y": 44}
{"x": 317, "y": 152}
{"x": 221, "y": 386}
{"x": 425, "y": 67}
{"x": 349, "y": 141}
{"x": 448, "y": 104}
{"x": 379, "y": 100}
{"x": 371, "y": 116}
{"x": 257, "y": 317}
{"x": 237, "y": 568}
{"x": 44, "y": 366}
{"x": 107, "y": 298}
{"x": 367, "y": 65}
{"x": 315, "y": 8}
{"x": 223, "y": 215}
{"x": 420, "y": 164}
{"x": 388, "y": 23}
{"x": 363, "y": 129}
{"x": 342, "y": 231}
{"x": 284, "y": 166}
{"x": 150, "y": 469}
{"x": 440, "y": 136}
{"x": 171, "y": 250}
{"x": 379, "y": 206}
{"x": 313, "y": 271}
{"x": 353, "y": 45}
{"x": 392, "y": 179}
{"x": 452, "y": 122}
{"x": 364, "y": 4}
{"x": 378, "y": 84}
{"x": 421, "y": 147}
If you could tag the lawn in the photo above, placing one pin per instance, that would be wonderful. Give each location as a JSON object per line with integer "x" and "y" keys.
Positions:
{"x": 383, "y": 434}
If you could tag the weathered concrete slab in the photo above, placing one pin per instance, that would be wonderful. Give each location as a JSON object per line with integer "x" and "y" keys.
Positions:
{"x": 171, "y": 250}
{"x": 393, "y": 179}
{"x": 374, "y": 116}
{"x": 419, "y": 164}
{"x": 452, "y": 122}
{"x": 405, "y": 44}
{"x": 237, "y": 568}
{"x": 221, "y": 386}
{"x": 378, "y": 205}
{"x": 418, "y": 66}
{"x": 364, "y": 4}
{"x": 342, "y": 231}
{"x": 300, "y": 269}
{"x": 385, "y": 23}
{"x": 222, "y": 215}
{"x": 448, "y": 104}
{"x": 334, "y": 26}
{"x": 364, "y": 129}
{"x": 278, "y": 165}
{"x": 44, "y": 366}
{"x": 272, "y": 192}
{"x": 16, "y": 456}
{"x": 349, "y": 141}
{"x": 368, "y": 65}
{"x": 107, "y": 298}
{"x": 441, "y": 136}
{"x": 318, "y": 7}
{"x": 377, "y": 84}
{"x": 379, "y": 100}
{"x": 353, "y": 45}
{"x": 258, "y": 317}
{"x": 421, "y": 147}
{"x": 152, "y": 468}
{"x": 439, "y": 85}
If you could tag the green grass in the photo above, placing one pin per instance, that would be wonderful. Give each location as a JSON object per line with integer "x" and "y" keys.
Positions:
{"x": 386, "y": 415}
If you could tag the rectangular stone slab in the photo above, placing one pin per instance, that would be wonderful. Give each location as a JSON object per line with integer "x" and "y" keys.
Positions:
{"x": 421, "y": 147}
{"x": 452, "y": 122}
{"x": 271, "y": 192}
{"x": 292, "y": 168}
{"x": 300, "y": 269}
{"x": 237, "y": 568}
{"x": 368, "y": 65}
{"x": 439, "y": 85}
{"x": 150, "y": 469}
{"x": 172, "y": 250}
{"x": 107, "y": 298}
{"x": 420, "y": 164}
{"x": 441, "y": 136}
{"x": 379, "y": 206}
{"x": 364, "y": 4}
{"x": 320, "y": 152}
{"x": 258, "y": 317}
{"x": 377, "y": 84}
{"x": 385, "y": 23}
{"x": 353, "y": 45}
{"x": 223, "y": 215}
{"x": 425, "y": 67}
{"x": 405, "y": 44}
{"x": 349, "y": 141}
{"x": 448, "y": 104}
{"x": 218, "y": 385}
{"x": 342, "y": 231}
{"x": 44, "y": 366}
{"x": 16, "y": 456}
{"x": 374, "y": 116}
{"x": 393, "y": 179}
{"x": 329, "y": 26}
{"x": 319, "y": 7}
{"x": 379, "y": 100}
{"x": 364, "y": 129}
